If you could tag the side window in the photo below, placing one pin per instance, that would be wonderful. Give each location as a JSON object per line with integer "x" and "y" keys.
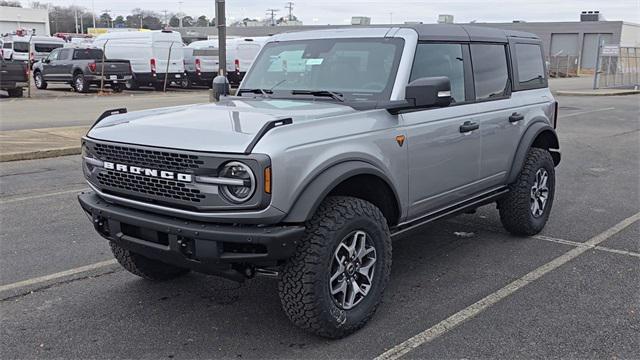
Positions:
{"x": 441, "y": 60}
{"x": 529, "y": 64}
{"x": 490, "y": 71}
{"x": 64, "y": 54}
{"x": 7, "y": 45}
{"x": 53, "y": 55}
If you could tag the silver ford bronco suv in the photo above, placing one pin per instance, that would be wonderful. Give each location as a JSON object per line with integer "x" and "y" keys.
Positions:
{"x": 336, "y": 142}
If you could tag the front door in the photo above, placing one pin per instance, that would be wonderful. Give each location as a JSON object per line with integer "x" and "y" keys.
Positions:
{"x": 49, "y": 66}
{"x": 443, "y": 143}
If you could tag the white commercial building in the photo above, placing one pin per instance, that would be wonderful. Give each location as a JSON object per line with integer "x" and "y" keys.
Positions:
{"x": 14, "y": 18}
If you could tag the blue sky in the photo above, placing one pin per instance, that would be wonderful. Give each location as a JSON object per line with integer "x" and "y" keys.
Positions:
{"x": 383, "y": 11}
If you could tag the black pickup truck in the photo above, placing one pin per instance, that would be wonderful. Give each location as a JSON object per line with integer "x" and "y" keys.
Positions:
{"x": 13, "y": 77}
{"x": 81, "y": 68}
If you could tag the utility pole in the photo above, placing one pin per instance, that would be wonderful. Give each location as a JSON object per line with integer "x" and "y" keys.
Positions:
{"x": 166, "y": 22}
{"x": 93, "y": 12}
{"x": 75, "y": 17}
{"x": 272, "y": 14}
{"x": 222, "y": 37}
{"x": 180, "y": 14}
{"x": 290, "y": 7}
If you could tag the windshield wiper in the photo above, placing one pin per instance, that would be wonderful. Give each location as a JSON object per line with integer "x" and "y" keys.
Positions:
{"x": 332, "y": 94}
{"x": 263, "y": 92}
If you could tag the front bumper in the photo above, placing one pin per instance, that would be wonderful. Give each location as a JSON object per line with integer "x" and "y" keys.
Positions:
{"x": 200, "y": 246}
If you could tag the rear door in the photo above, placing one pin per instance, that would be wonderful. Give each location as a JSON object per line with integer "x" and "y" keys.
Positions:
{"x": 443, "y": 146}
{"x": 493, "y": 87}
{"x": 171, "y": 52}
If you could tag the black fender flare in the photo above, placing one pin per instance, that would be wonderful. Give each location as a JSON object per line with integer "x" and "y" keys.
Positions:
{"x": 317, "y": 189}
{"x": 526, "y": 142}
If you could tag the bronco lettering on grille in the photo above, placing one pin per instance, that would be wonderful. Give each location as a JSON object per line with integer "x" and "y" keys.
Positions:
{"x": 169, "y": 175}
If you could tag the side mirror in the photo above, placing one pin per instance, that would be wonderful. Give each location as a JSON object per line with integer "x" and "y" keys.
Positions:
{"x": 424, "y": 93}
{"x": 429, "y": 91}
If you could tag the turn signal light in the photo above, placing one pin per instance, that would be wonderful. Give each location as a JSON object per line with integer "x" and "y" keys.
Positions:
{"x": 267, "y": 180}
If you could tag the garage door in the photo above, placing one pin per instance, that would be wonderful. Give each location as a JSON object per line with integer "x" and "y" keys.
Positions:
{"x": 564, "y": 44}
{"x": 590, "y": 49}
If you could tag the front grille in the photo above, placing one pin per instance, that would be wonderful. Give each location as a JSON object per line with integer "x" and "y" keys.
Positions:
{"x": 150, "y": 186}
{"x": 147, "y": 158}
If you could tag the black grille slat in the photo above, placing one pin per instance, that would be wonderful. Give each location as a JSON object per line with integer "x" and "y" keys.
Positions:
{"x": 150, "y": 186}
{"x": 147, "y": 158}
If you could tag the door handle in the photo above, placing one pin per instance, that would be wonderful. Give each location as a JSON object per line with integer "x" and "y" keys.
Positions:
{"x": 515, "y": 117}
{"x": 469, "y": 126}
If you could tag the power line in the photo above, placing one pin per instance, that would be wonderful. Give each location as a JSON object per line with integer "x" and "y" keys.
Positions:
{"x": 290, "y": 7}
{"x": 272, "y": 13}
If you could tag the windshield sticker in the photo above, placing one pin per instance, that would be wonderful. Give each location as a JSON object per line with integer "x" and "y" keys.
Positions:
{"x": 314, "y": 61}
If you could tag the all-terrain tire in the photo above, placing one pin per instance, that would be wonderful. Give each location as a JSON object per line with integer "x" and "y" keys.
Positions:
{"x": 516, "y": 213}
{"x": 304, "y": 284}
{"x": 144, "y": 267}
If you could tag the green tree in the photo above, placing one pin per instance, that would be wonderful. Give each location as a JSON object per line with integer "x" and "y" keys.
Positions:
{"x": 105, "y": 20}
{"x": 202, "y": 21}
{"x": 187, "y": 21}
{"x": 119, "y": 21}
{"x": 10, "y": 3}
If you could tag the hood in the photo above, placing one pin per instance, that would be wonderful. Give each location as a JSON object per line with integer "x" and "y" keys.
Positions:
{"x": 228, "y": 126}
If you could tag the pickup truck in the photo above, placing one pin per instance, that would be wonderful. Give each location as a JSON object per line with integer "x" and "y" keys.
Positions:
{"x": 81, "y": 68}
{"x": 337, "y": 142}
{"x": 13, "y": 77}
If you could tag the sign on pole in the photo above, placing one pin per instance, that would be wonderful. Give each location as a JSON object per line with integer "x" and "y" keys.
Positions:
{"x": 610, "y": 50}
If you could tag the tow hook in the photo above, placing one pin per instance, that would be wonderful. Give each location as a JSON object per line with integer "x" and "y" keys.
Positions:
{"x": 186, "y": 246}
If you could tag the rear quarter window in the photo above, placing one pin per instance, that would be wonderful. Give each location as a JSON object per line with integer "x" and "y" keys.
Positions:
{"x": 530, "y": 69}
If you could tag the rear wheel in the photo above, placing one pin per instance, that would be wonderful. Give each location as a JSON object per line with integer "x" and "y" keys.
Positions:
{"x": 335, "y": 280}
{"x": 144, "y": 267}
{"x": 132, "y": 85}
{"x": 117, "y": 88}
{"x": 525, "y": 209}
{"x": 185, "y": 83}
{"x": 80, "y": 84}
{"x": 39, "y": 80}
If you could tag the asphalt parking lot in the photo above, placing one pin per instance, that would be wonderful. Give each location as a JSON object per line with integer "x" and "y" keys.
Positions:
{"x": 460, "y": 288}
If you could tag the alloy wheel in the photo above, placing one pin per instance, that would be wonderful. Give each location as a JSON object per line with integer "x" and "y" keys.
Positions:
{"x": 539, "y": 193}
{"x": 352, "y": 270}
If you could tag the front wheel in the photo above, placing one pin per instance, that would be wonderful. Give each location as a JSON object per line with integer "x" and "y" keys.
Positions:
{"x": 39, "y": 80}
{"x": 525, "y": 209}
{"x": 334, "y": 282}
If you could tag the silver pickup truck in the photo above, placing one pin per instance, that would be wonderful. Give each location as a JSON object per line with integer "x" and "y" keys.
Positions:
{"x": 336, "y": 142}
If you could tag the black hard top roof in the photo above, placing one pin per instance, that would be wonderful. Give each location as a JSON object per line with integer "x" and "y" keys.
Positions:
{"x": 453, "y": 32}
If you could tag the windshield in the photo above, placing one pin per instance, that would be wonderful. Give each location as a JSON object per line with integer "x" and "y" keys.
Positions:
{"x": 87, "y": 54}
{"x": 20, "y": 46}
{"x": 358, "y": 69}
{"x": 46, "y": 48}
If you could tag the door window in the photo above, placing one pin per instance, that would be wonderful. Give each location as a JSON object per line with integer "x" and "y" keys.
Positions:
{"x": 490, "y": 71}
{"x": 529, "y": 63}
{"x": 54, "y": 55}
{"x": 441, "y": 60}
{"x": 64, "y": 54}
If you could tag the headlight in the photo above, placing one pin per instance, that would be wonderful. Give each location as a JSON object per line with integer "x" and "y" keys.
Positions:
{"x": 238, "y": 193}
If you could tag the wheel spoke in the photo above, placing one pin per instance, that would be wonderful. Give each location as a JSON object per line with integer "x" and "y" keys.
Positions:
{"x": 534, "y": 207}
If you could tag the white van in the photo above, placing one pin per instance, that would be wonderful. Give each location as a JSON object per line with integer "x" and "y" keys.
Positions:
{"x": 240, "y": 55}
{"x": 148, "y": 52}
{"x": 201, "y": 62}
{"x": 15, "y": 47}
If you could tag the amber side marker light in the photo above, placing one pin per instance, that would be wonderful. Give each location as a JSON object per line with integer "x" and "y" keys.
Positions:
{"x": 267, "y": 180}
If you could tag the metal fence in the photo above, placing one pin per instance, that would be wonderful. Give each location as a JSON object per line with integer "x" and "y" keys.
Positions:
{"x": 618, "y": 70}
{"x": 563, "y": 65}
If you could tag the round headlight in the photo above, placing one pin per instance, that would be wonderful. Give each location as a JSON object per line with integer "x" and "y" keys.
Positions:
{"x": 240, "y": 171}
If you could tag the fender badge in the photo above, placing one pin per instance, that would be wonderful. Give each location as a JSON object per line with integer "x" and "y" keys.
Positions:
{"x": 400, "y": 140}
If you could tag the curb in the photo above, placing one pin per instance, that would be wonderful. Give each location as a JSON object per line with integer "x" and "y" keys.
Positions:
{"x": 40, "y": 154}
{"x": 585, "y": 93}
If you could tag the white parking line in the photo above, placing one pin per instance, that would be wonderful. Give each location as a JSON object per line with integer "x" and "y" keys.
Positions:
{"x": 471, "y": 311}
{"x": 42, "y": 279}
{"x": 585, "y": 112}
{"x": 39, "y": 196}
{"x": 579, "y": 244}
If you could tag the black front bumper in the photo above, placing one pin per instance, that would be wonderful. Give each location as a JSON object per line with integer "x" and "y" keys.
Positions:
{"x": 200, "y": 246}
